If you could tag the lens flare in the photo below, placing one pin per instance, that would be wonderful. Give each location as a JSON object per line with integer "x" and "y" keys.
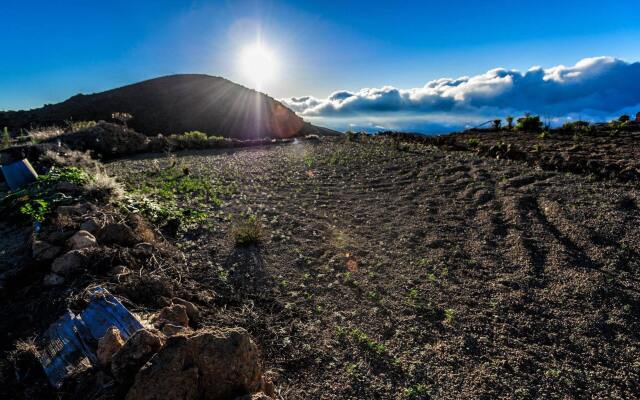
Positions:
{"x": 258, "y": 64}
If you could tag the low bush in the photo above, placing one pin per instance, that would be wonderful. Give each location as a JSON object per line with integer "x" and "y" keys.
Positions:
{"x": 529, "y": 123}
{"x": 578, "y": 128}
{"x": 616, "y": 127}
{"x": 75, "y": 126}
{"x": 197, "y": 140}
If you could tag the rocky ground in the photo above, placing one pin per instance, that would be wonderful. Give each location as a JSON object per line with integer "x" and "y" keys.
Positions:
{"x": 419, "y": 272}
{"x": 600, "y": 154}
{"x": 382, "y": 269}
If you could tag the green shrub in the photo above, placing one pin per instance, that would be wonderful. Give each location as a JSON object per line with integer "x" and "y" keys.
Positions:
{"x": 617, "y": 127}
{"x": 36, "y": 209}
{"x": 68, "y": 174}
{"x": 624, "y": 118}
{"x": 578, "y": 128}
{"x": 36, "y": 199}
{"x": 197, "y": 140}
{"x": 195, "y": 135}
{"x": 529, "y": 123}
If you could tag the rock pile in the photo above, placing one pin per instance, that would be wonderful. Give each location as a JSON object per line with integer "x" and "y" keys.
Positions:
{"x": 78, "y": 238}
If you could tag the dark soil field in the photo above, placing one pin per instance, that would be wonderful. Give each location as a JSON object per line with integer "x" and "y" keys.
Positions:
{"x": 411, "y": 273}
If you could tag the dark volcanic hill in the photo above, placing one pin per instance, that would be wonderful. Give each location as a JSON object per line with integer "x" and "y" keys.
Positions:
{"x": 175, "y": 104}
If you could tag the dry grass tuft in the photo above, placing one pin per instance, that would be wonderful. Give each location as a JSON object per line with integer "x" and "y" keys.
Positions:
{"x": 248, "y": 232}
{"x": 71, "y": 158}
{"x": 45, "y": 133}
{"x": 24, "y": 348}
{"x": 104, "y": 187}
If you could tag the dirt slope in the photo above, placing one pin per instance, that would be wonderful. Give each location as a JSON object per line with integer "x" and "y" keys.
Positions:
{"x": 175, "y": 104}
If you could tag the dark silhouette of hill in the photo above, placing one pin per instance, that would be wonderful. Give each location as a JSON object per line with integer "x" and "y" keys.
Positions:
{"x": 175, "y": 104}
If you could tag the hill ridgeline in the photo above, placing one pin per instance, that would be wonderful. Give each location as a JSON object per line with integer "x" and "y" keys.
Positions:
{"x": 175, "y": 104}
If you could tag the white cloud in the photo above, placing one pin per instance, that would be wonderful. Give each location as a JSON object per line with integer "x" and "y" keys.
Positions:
{"x": 596, "y": 88}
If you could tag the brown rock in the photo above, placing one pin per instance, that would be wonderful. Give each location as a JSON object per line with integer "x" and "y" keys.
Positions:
{"x": 44, "y": 251}
{"x": 90, "y": 225}
{"x": 211, "y": 365}
{"x": 81, "y": 240}
{"x": 267, "y": 385}
{"x": 140, "y": 227}
{"x": 173, "y": 330}
{"x": 144, "y": 249}
{"x": 175, "y": 314}
{"x": 118, "y": 234}
{"x": 192, "y": 310}
{"x": 59, "y": 237}
{"x": 68, "y": 262}
{"x": 134, "y": 354}
{"x": 108, "y": 345}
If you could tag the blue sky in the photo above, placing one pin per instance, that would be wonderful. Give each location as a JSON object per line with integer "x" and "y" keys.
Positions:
{"x": 53, "y": 50}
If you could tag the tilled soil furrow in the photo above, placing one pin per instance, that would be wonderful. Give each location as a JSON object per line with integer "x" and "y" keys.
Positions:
{"x": 385, "y": 269}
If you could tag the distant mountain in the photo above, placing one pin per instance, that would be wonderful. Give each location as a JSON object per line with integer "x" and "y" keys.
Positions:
{"x": 175, "y": 104}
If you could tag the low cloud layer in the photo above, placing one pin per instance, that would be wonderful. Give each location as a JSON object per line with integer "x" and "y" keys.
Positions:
{"x": 595, "y": 88}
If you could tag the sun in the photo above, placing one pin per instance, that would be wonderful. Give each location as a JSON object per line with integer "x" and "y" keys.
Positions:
{"x": 258, "y": 64}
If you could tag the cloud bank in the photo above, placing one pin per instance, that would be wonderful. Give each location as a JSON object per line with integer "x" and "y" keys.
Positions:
{"x": 594, "y": 88}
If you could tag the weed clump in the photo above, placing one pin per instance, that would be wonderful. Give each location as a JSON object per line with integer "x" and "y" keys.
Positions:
{"x": 104, "y": 187}
{"x": 248, "y": 232}
{"x": 36, "y": 209}
{"x": 362, "y": 339}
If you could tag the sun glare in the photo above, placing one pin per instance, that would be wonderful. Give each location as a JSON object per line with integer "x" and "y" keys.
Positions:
{"x": 258, "y": 64}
